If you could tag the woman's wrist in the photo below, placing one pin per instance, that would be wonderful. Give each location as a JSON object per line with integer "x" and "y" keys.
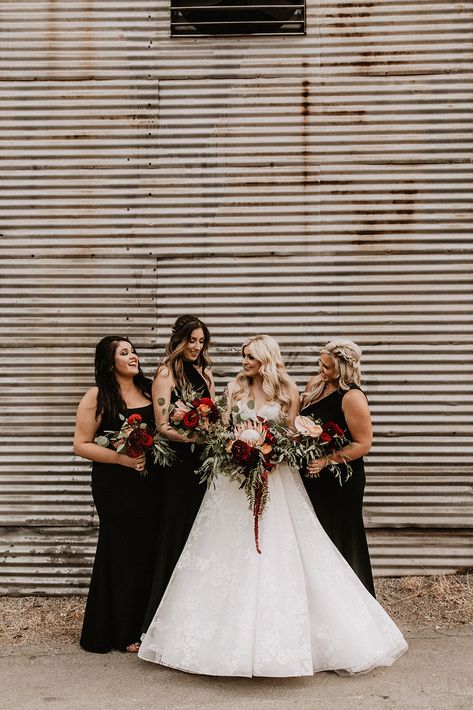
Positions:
{"x": 118, "y": 458}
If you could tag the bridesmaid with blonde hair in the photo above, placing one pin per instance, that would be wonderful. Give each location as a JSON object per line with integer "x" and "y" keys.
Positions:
{"x": 334, "y": 394}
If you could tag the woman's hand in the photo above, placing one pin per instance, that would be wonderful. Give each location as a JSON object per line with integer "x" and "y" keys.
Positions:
{"x": 315, "y": 466}
{"x": 162, "y": 388}
{"x": 137, "y": 463}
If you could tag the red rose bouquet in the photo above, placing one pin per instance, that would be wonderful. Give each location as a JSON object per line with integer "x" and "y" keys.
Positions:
{"x": 192, "y": 416}
{"x": 134, "y": 439}
{"x": 247, "y": 453}
{"x": 316, "y": 440}
{"x": 252, "y": 447}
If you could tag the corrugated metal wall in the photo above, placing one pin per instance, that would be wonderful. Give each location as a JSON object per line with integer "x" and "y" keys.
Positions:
{"x": 303, "y": 186}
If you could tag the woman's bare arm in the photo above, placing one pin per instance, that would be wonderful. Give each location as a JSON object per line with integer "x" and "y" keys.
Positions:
{"x": 162, "y": 388}
{"x": 86, "y": 429}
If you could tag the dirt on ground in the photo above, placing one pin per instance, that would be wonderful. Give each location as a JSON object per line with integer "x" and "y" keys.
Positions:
{"x": 440, "y": 602}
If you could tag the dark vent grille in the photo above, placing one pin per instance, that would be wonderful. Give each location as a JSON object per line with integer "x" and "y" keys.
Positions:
{"x": 237, "y": 17}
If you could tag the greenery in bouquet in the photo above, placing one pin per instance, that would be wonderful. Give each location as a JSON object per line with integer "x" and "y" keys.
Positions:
{"x": 192, "y": 416}
{"x": 315, "y": 440}
{"x": 135, "y": 439}
{"x": 247, "y": 452}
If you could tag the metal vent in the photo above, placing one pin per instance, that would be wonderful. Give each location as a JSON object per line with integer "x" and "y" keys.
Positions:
{"x": 237, "y": 17}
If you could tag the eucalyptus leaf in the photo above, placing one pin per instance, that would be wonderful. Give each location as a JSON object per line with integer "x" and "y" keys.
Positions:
{"x": 102, "y": 440}
{"x": 161, "y": 401}
{"x": 122, "y": 417}
{"x": 250, "y": 404}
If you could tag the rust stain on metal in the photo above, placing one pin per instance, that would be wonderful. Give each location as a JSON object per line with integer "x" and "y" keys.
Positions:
{"x": 305, "y": 112}
{"x": 55, "y": 35}
{"x": 52, "y": 49}
{"x": 88, "y": 38}
{"x": 404, "y": 203}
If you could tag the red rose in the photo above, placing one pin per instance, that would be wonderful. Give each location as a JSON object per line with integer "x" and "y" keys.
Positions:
{"x": 191, "y": 419}
{"x": 333, "y": 429}
{"x": 145, "y": 439}
{"x": 214, "y": 414}
{"x": 134, "y": 438}
{"x": 134, "y": 419}
{"x": 133, "y": 453}
{"x": 204, "y": 400}
{"x": 244, "y": 453}
{"x": 325, "y": 438}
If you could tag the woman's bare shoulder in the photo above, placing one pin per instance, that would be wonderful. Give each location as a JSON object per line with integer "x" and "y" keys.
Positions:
{"x": 354, "y": 398}
{"x": 163, "y": 372}
{"x": 231, "y": 385}
{"x": 91, "y": 396}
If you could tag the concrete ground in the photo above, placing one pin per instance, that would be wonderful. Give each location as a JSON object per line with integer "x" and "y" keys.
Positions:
{"x": 436, "y": 673}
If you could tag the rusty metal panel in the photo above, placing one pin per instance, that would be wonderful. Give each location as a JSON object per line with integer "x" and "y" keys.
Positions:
{"x": 306, "y": 186}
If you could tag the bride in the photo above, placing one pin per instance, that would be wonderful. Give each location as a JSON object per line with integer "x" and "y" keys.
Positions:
{"x": 294, "y": 610}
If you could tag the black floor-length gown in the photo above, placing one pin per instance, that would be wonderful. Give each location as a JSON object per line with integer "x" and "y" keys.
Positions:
{"x": 126, "y": 503}
{"x": 180, "y": 498}
{"x": 339, "y": 508}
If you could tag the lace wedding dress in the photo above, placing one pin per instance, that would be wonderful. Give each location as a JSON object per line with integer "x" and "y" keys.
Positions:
{"x": 296, "y": 609}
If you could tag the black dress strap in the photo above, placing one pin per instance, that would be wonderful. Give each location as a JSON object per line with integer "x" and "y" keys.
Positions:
{"x": 197, "y": 380}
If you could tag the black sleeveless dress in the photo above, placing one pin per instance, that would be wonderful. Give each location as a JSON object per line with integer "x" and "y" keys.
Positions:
{"x": 339, "y": 507}
{"x": 180, "y": 498}
{"x": 126, "y": 503}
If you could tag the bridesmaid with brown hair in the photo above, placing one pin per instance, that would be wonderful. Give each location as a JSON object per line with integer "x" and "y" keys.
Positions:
{"x": 125, "y": 499}
{"x": 186, "y": 366}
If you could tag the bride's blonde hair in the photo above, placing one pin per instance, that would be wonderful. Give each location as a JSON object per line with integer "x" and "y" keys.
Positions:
{"x": 346, "y": 356}
{"x": 276, "y": 382}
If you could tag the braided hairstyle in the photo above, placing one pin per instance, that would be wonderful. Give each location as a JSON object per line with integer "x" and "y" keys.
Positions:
{"x": 346, "y": 356}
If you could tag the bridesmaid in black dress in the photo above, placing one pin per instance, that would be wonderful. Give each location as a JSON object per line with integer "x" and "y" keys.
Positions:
{"x": 186, "y": 365}
{"x": 125, "y": 500}
{"x": 335, "y": 395}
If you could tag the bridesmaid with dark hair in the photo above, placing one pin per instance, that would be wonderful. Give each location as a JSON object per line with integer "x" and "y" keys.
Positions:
{"x": 186, "y": 366}
{"x": 125, "y": 500}
{"x": 334, "y": 394}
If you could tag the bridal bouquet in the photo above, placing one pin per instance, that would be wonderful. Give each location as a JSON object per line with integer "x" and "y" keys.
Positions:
{"x": 192, "y": 416}
{"x": 316, "y": 440}
{"x": 247, "y": 453}
{"x": 135, "y": 439}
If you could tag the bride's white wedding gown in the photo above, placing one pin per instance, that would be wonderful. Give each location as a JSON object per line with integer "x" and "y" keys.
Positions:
{"x": 296, "y": 609}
